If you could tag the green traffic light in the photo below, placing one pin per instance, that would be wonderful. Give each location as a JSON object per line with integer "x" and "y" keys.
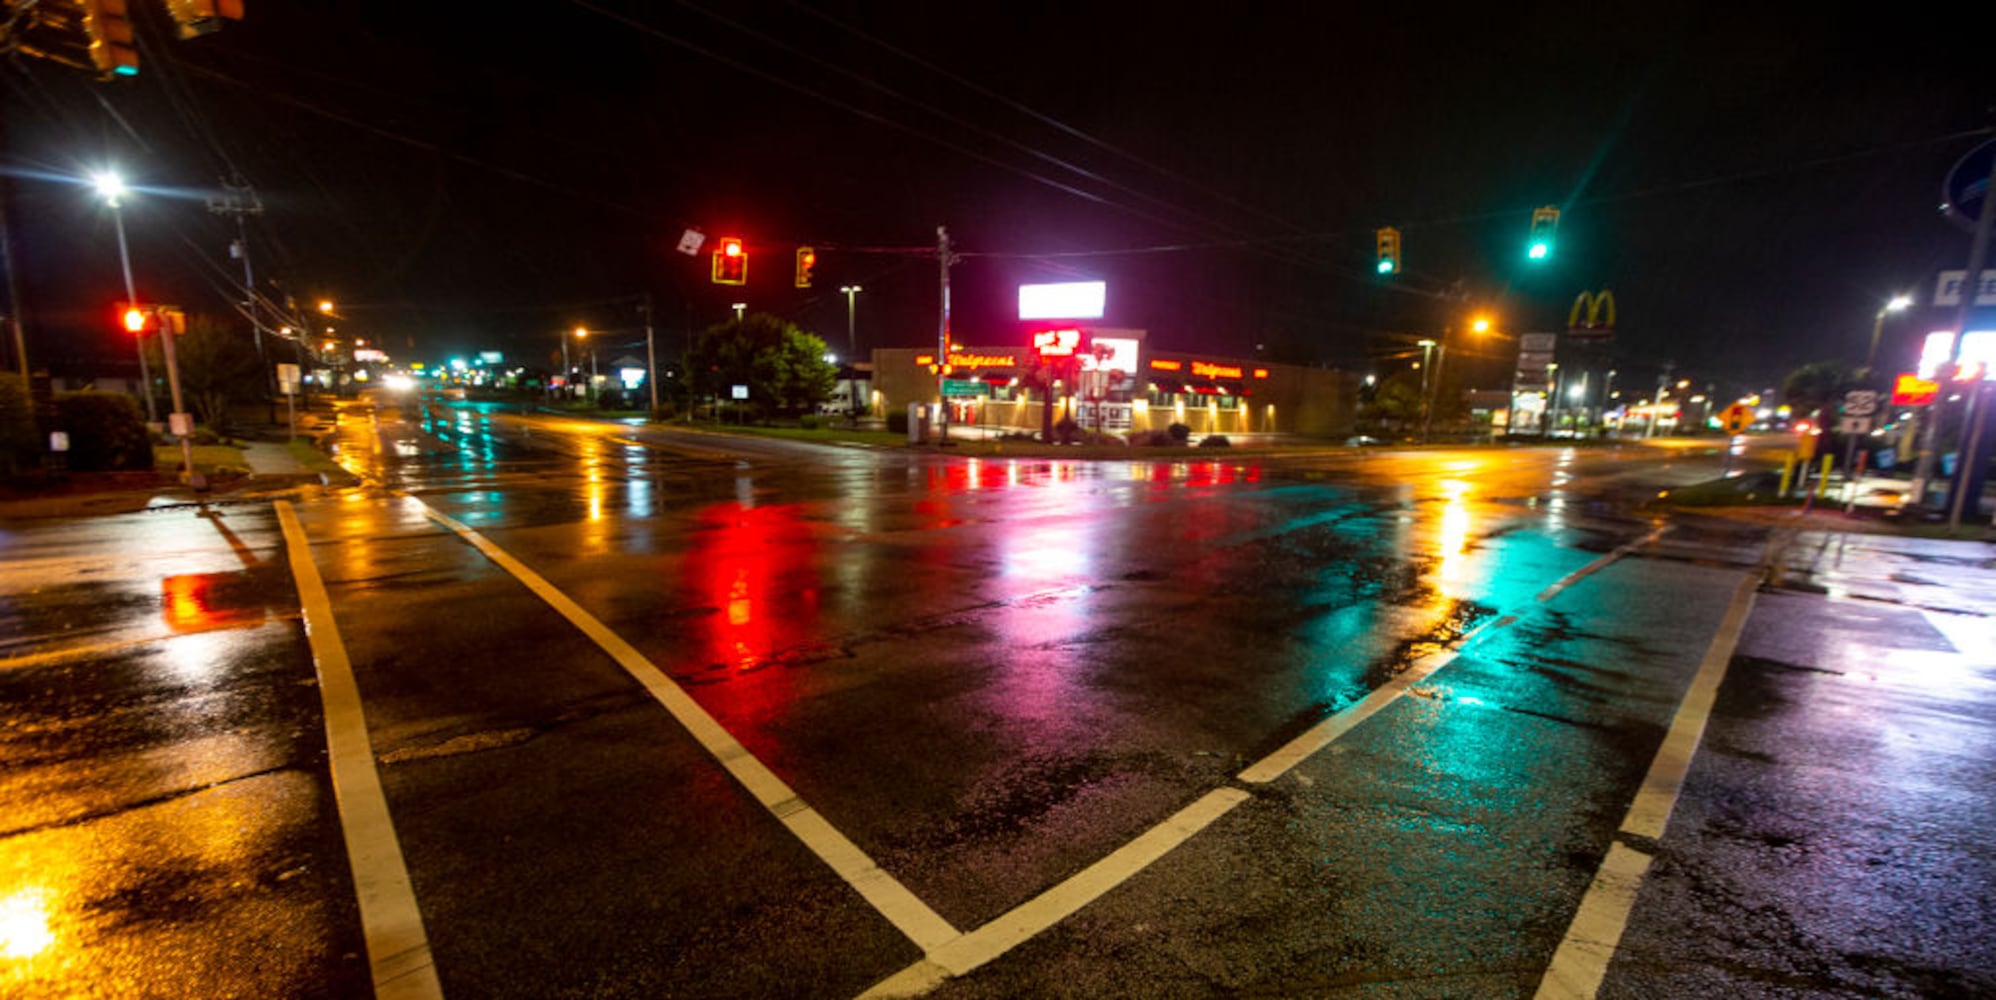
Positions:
{"x": 1539, "y": 250}
{"x": 1386, "y": 267}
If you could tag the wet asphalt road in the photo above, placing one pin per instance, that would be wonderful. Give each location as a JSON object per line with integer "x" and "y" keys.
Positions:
{"x": 988, "y": 676}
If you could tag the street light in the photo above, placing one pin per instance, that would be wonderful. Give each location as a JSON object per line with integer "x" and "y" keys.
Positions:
{"x": 740, "y": 308}
{"x": 1898, "y": 302}
{"x": 112, "y": 189}
{"x": 852, "y": 341}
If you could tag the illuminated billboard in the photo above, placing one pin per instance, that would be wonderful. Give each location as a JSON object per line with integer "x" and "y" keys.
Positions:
{"x": 1069, "y": 300}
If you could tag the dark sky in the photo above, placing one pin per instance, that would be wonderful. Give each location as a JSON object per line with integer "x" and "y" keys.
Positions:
{"x": 1751, "y": 183}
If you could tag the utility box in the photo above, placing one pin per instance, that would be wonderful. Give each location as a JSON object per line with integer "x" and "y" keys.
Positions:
{"x": 918, "y": 423}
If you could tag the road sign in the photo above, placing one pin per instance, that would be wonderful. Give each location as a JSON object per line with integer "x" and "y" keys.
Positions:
{"x": 1860, "y": 402}
{"x": 1947, "y": 288}
{"x": 1912, "y": 390}
{"x": 287, "y": 379}
{"x": 1967, "y": 184}
{"x": 1736, "y": 418}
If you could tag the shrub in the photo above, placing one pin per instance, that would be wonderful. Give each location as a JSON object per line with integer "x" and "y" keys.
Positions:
{"x": 897, "y": 421}
{"x": 1179, "y": 433}
{"x": 1066, "y": 431}
{"x": 1215, "y": 441}
{"x": 106, "y": 431}
{"x": 810, "y": 421}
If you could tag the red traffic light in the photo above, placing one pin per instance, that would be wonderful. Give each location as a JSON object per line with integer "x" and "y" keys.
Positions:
{"x": 730, "y": 262}
{"x": 136, "y": 319}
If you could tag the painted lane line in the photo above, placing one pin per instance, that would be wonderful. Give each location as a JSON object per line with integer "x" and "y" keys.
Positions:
{"x": 1029, "y": 919}
{"x": 1324, "y": 733}
{"x": 922, "y": 925}
{"x": 398, "y": 949}
{"x": 1650, "y": 812}
{"x": 1328, "y": 731}
{"x": 1583, "y": 956}
{"x": 1581, "y": 962}
{"x": 1599, "y": 564}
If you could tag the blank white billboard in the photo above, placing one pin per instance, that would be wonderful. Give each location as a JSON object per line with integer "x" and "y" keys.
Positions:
{"x": 1069, "y": 300}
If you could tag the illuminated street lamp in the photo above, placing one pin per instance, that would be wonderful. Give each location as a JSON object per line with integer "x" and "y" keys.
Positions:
{"x": 740, "y": 308}
{"x": 1898, "y": 302}
{"x": 852, "y": 341}
{"x": 111, "y": 188}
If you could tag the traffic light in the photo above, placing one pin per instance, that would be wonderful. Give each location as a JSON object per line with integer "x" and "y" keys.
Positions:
{"x": 1389, "y": 250}
{"x": 807, "y": 258}
{"x": 730, "y": 262}
{"x": 136, "y": 319}
{"x": 112, "y": 48}
{"x": 1545, "y": 222}
{"x": 200, "y": 17}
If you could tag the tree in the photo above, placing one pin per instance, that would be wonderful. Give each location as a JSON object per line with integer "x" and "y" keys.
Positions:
{"x": 217, "y": 363}
{"x": 783, "y": 366}
{"x": 1396, "y": 402}
{"x": 1818, "y": 386}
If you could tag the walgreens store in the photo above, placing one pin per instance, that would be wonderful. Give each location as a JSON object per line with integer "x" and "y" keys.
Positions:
{"x": 1113, "y": 382}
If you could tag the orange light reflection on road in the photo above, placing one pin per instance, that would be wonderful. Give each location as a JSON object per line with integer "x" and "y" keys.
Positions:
{"x": 1454, "y": 532}
{"x": 24, "y": 924}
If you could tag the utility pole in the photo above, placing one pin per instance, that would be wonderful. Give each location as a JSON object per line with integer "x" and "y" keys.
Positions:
{"x": 651, "y": 358}
{"x": 242, "y": 201}
{"x": 13, "y": 286}
{"x": 943, "y": 260}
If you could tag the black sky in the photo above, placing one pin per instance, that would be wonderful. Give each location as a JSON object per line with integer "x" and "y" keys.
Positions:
{"x": 1752, "y": 183}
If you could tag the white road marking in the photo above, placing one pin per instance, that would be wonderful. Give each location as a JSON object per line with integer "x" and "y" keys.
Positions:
{"x": 1597, "y": 565}
{"x": 1025, "y": 921}
{"x": 1324, "y": 733}
{"x": 1031, "y": 918}
{"x": 398, "y": 949}
{"x": 1581, "y": 961}
{"x": 927, "y": 929}
{"x": 1583, "y": 956}
{"x": 1650, "y": 812}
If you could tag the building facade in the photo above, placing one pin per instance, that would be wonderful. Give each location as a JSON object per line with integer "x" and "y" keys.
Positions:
{"x": 1116, "y": 385}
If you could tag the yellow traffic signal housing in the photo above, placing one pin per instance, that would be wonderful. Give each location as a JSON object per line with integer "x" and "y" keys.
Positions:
{"x": 1388, "y": 239}
{"x": 113, "y": 49}
{"x": 730, "y": 262}
{"x": 1545, "y": 222}
{"x": 201, "y": 17}
{"x": 807, "y": 258}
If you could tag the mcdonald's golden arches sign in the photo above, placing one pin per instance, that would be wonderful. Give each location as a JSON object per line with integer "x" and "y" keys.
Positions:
{"x": 1592, "y": 315}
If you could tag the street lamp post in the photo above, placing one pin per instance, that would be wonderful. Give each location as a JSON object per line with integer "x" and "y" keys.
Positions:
{"x": 180, "y": 422}
{"x": 1427, "y": 405}
{"x": 111, "y": 188}
{"x": 1898, "y": 303}
{"x": 852, "y": 341}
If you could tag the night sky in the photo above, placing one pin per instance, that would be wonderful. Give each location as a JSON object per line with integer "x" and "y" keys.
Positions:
{"x": 1751, "y": 183}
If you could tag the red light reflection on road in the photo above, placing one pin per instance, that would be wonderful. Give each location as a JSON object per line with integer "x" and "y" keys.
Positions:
{"x": 757, "y": 567}
{"x": 200, "y": 602}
